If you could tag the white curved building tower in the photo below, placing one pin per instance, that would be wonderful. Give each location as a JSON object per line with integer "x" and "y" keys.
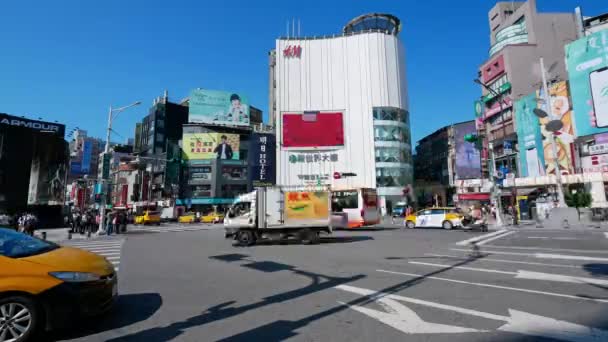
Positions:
{"x": 340, "y": 106}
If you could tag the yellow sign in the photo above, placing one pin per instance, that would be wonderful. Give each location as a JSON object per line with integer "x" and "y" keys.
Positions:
{"x": 307, "y": 205}
{"x": 211, "y": 146}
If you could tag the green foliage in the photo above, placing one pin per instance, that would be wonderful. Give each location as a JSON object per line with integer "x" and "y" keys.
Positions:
{"x": 579, "y": 199}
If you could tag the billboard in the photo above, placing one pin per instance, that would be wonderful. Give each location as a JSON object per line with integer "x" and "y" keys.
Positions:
{"x": 218, "y": 107}
{"x": 261, "y": 160}
{"x": 560, "y": 109}
{"x": 48, "y": 171}
{"x": 211, "y": 146}
{"x": 529, "y": 138}
{"x": 306, "y": 205}
{"x": 87, "y": 151}
{"x": 587, "y": 66}
{"x": 468, "y": 159}
{"x": 313, "y": 129}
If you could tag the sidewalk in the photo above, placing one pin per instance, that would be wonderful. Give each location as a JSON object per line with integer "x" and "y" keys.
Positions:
{"x": 62, "y": 234}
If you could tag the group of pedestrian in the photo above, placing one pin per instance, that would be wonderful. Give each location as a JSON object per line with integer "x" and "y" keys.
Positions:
{"x": 27, "y": 223}
{"x": 88, "y": 221}
{"x": 116, "y": 222}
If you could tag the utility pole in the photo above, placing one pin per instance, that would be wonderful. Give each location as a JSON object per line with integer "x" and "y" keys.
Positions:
{"x": 496, "y": 193}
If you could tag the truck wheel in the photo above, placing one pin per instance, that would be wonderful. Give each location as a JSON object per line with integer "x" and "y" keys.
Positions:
{"x": 307, "y": 236}
{"x": 316, "y": 238}
{"x": 245, "y": 238}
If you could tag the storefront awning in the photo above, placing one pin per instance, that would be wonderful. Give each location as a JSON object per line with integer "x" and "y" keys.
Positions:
{"x": 474, "y": 196}
{"x": 525, "y": 192}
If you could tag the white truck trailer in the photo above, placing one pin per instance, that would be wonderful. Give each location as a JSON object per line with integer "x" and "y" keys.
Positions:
{"x": 278, "y": 213}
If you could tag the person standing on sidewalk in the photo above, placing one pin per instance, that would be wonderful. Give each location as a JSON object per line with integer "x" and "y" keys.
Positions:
{"x": 109, "y": 223}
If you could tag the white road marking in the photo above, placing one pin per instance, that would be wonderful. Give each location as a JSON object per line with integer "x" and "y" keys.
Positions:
{"x": 93, "y": 245}
{"x": 405, "y": 319}
{"x": 483, "y": 242}
{"x": 517, "y": 321}
{"x": 551, "y": 238}
{"x": 553, "y": 294}
{"x": 590, "y": 251}
{"x": 559, "y": 278}
{"x": 523, "y": 274}
{"x": 541, "y": 255}
{"x": 462, "y": 268}
{"x": 503, "y": 260}
{"x": 480, "y": 237}
{"x": 606, "y": 235}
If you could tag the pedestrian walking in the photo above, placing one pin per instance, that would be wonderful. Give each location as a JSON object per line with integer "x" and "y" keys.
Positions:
{"x": 109, "y": 223}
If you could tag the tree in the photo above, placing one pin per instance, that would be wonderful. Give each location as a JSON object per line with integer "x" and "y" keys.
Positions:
{"x": 578, "y": 199}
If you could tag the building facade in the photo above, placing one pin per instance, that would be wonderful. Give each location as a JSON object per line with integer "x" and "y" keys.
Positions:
{"x": 34, "y": 160}
{"x": 443, "y": 162}
{"x": 519, "y": 37}
{"x": 84, "y": 155}
{"x": 340, "y": 105}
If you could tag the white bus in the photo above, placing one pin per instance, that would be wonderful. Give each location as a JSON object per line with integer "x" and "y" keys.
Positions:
{"x": 360, "y": 205}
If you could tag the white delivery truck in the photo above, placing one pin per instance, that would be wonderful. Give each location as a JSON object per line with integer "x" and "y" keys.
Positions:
{"x": 278, "y": 213}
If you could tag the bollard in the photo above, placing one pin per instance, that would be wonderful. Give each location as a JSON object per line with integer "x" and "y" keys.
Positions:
{"x": 89, "y": 234}
{"x": 43, "y": 235}
{"x": 69, "y": 235}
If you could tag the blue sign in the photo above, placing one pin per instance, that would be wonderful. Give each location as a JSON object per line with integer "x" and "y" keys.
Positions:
{"x": 75, "y": 168}
{"x": 261, "y": 160}
{"x": 188, "y": 202}
{"x": 87, "y": 151}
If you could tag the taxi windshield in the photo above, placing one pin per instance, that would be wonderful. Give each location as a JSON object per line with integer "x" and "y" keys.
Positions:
{"x": 18, "y": 245}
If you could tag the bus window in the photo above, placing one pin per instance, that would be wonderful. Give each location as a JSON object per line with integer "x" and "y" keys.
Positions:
{"x": 344, "y": 200}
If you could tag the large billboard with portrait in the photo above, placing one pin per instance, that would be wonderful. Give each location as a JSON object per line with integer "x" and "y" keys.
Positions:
{"x": 587, "y": 67}
{"x": 560, "y": 109}
{"x": 468, "y": 159}
{"x": 261, "y": 160}
{"x": 218, "y": 107}
{"x": 48, "y": 171}
{"x": 211, "y": 146}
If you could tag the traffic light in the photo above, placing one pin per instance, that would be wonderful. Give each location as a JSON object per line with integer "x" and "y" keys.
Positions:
{"x": 471, "y": 138}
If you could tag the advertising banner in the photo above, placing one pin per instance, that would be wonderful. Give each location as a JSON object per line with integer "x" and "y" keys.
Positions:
{"x": 87, "y": 150}
{"x": 261, "y": 160}
{"x": 48, "y": 172}
{"x": 559, "y": 109}
{"x": 529, "y": 137}
{"x": 468, "y": 159}
{"x": 211, "y": 146}
{"x": 218, "y": 107}
{"x": 587, "y": 64}
{"x": 306, "y": 205}
{"x": 313, "y": 129}
{"x": 75, "y": 168}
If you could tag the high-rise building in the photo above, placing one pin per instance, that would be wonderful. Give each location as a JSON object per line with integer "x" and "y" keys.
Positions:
{"x": 84, "y": 155}
{"x": 519, "y": 37}
{"x": 340, "y": 105}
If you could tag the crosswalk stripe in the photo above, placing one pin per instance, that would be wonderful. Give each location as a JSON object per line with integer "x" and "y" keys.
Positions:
{"x": 504, "y": 261}
{"x": 109, "y": 249}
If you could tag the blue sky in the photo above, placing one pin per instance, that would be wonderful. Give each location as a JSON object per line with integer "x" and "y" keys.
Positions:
{"x": 69, "y": 60}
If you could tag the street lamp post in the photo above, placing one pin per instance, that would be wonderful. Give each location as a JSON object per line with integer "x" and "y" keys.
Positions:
{"x": 552, "y": 126}
{"x": 112, "y": 113}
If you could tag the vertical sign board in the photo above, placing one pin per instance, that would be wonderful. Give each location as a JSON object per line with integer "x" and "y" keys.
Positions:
{"x": 261, "y": 160}
{"x": 529, "y": 138}
{"x": 87, "y": 150}
{"x": 468, "y": 159}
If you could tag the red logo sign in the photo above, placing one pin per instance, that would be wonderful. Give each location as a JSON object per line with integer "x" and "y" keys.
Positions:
{"x": 292, "y": 51}
{"x": 337, "y": 175}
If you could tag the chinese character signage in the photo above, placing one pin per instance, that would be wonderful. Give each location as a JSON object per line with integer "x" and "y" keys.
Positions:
{"x": 306, "y": 205}
{"x": 261, "y": 161}
{"x": 218, "y": 107}
{"x": 198, "y": 146}
{"x": 316, "y": 157}
{"x": 529, "y": 138}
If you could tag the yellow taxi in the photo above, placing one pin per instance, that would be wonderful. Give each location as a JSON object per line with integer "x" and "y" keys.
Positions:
{"x": 444, "y": 217}
{"x": 213, "y": 217}
{"x": 149, "y": 217}
{"x": 187, "y": 218}
{"x": 44, "y": 286}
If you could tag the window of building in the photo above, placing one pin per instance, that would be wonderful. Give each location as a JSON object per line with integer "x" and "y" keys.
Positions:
{"x": 160, "y": 137}
{"x": 498, "y": 83}
{"x": 386, "y": 177}
{"x": 391, "y": 114}
{"x": 160, "y": 124}
{"x": 392, "y": 155}
{"x": 391, "y": 133}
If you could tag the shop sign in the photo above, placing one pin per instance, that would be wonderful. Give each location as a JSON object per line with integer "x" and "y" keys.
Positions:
{"x": 598, "y": 149}
{"x": 261, "y": 160}
{"x": 478, "y": 105}
{"x": 313, "y": 157}
{"x": 324, "y": 176}
{"x": 503, "y": 88}
{"x": 496, "y": 108}
{"x": 292, "y": 51}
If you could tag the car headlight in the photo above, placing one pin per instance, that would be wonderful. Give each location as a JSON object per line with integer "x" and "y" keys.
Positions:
{"x": 75, "y": 277}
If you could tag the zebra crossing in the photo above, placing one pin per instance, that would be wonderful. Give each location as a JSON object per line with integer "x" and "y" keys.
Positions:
{"x": 171, "y": 228}
{"x": 110, "y": 248}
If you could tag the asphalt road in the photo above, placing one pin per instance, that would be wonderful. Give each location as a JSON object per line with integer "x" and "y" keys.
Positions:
{"x": 368, "y": 285}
